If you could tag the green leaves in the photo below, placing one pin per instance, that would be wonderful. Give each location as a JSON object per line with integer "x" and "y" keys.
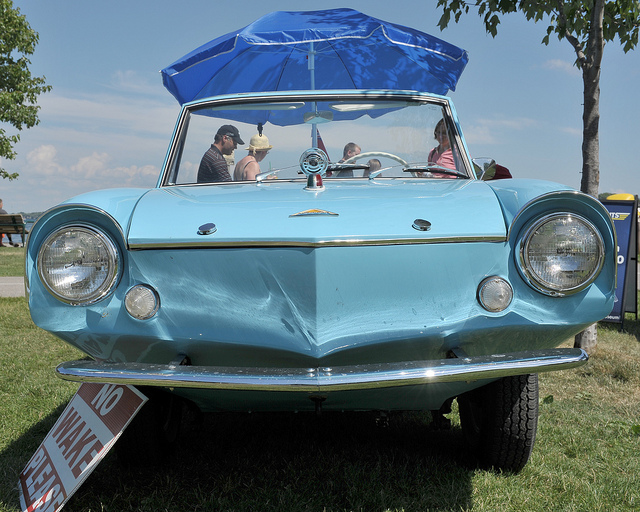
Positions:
{"x": 587, "y": 25}
{"x": 570, "y": 17}
{"x": 19, "y": 90}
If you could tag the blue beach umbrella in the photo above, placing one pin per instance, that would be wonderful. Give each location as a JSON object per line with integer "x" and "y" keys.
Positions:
{"x": 330, "y": 49}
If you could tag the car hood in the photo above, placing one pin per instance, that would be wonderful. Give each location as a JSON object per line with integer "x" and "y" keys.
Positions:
{"x": 347, "y": 212}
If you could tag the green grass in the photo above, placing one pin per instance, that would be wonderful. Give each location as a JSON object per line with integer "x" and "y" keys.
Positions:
{"x": 587, "y": 454}
{"x": 11, "y": 261}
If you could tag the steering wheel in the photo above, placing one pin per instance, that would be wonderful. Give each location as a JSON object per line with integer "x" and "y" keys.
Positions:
{"x": 372, "y": 154}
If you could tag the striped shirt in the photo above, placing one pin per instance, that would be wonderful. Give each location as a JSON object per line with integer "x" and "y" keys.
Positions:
{"x": 213, "y": 167}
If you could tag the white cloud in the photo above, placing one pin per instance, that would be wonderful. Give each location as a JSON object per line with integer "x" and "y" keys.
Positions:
{"x": 130, "y": 81}
{"x": 91, "y": 166}
{"x": 134, "y": 176}
{"x": 46, "y": 181}
{"x": 89, "y": 142}
{"x": 109, "y": 113}
{"x": 574, "y": 132}
{"x": 493, "y": 131}
{"x": 562, "y": 65}
{"x": 42, "y": 160}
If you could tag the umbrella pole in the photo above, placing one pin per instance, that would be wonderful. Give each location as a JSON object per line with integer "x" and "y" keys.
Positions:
{"x": 312, "y": 73}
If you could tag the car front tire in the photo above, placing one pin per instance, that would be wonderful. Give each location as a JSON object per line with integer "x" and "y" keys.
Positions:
{"x": 151, "y": 438}
{"x": 500, "y": 420}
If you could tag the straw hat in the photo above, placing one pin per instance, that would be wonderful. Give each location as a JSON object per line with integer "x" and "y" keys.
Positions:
{"x": 259, "y": 143}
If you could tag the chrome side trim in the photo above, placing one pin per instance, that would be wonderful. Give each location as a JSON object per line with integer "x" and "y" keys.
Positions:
{"x": 320, "y": 243}
{"x": 339, "y": 378}
{"x": 233, "y": 100}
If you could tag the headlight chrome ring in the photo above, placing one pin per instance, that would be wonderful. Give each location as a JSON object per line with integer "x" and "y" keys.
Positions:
{"x": 561, "y": 254}
{"x": 78, "y": 264}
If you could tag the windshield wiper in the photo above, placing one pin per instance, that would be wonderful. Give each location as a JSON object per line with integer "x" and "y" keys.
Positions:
{"x": 346, "y": 167}
{"x": 433, "y": 168}
{"x": 337, "y": 167}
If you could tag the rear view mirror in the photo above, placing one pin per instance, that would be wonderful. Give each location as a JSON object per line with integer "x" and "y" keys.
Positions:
{"x": 318, "y": 117}
{"x": 485, "y": 168}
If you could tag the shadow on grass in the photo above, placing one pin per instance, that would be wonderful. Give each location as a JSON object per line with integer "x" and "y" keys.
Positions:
{"x": 288, "y": 462}
{"x": 15, "y": 456}
{"x": 631, "y": 325}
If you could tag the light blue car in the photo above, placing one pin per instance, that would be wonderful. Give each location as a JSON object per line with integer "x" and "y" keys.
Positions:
{"x": 372, "y": 266}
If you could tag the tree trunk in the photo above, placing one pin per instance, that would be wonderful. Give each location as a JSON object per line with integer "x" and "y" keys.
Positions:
{"x": 588, "y": 339}
{"x": 590, "y": 126}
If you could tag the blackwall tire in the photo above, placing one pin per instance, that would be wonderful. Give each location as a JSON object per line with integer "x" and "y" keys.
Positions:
{"x": 151, "y": 437}
{"x": 499, "y": 421}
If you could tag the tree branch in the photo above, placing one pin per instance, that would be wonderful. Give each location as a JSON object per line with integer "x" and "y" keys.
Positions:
{"x": 573, "y": 40}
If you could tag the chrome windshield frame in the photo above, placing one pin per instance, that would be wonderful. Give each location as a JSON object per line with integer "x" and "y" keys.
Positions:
{"x": 235, "y": 100}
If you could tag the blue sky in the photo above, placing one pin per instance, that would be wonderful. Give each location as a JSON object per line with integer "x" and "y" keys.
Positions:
{"x": 108, "y": 119}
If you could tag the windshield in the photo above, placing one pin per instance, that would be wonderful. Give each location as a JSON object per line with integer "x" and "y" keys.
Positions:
{"x": 358, "y": 138}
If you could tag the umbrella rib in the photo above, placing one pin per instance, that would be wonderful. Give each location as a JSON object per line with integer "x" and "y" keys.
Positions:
{"x": 283, "y": 66}
{"x": 197, "y": 63}
{"x": 341, "y": 37}
{"x": 330, "y": 43}
{"x": 399, "y": 43}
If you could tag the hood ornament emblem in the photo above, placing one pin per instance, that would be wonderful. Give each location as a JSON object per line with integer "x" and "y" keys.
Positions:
{"x": 314, "y": 211}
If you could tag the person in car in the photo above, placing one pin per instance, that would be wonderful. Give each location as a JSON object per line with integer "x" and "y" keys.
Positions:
{"x": 249, "y": 167}
{"x": 350, "y": 149}
{"x": 374, "y": 165}
{"x": 213, "y": 166}
{"x": 442, "y": 155}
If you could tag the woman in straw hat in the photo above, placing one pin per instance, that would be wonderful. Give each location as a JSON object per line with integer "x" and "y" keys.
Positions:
{"x": 249, "y": 167}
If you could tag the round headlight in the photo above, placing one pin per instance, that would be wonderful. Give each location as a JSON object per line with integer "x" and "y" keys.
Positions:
{"x": 561, "y": 254}
{"x": 78, "y": 264}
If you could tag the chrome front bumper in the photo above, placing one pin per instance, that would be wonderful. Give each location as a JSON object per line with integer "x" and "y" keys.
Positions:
{"x": 337, "y": 378}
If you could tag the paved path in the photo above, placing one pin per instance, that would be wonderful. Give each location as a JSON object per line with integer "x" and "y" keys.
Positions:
{"x": 14, "y": 286}
{"x": 11, "y": 287}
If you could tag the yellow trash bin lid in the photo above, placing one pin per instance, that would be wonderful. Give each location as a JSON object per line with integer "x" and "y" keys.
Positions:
{"x": 621, "y": 197}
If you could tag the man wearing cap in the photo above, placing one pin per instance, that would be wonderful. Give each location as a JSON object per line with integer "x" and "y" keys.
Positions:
{"x": 213, "y": 166}
{"x": 249, "y": 167}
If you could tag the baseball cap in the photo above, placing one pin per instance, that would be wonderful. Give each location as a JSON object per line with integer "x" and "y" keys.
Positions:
{"x": 230, "y": 131}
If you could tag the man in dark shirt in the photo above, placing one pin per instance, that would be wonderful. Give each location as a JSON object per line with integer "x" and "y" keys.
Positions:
{"x": 213, "y": 166}
{"x": 351, "y": 149}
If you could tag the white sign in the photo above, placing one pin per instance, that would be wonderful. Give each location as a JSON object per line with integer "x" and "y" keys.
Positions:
{"x": 84, "y": 433}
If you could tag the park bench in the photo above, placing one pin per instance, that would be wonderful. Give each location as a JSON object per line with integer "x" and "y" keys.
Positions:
{"x": 13, "y": 223}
